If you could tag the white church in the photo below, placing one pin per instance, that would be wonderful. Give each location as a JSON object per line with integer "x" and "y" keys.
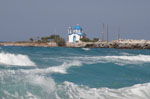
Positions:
{"x": 75, "y": 34}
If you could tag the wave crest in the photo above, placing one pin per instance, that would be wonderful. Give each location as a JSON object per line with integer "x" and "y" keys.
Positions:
{"x": 120, "y": 60}
{"x": 15, "y": 59}
{"x": 86, "y": 49}
{"x": 55, "y": 69}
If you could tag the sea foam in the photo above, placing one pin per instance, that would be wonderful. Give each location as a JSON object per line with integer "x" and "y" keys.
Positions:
{"x": 120, "y": 60}
{"x": 32, "y": 86}
{"x": 73, "y": 91}
{"x": 67, "y": 90}
{"x": 62, "y": 69}
{"x": 86, "y": 49}
{"x": 15, "y": 59}
{"x": 137, "y": 58}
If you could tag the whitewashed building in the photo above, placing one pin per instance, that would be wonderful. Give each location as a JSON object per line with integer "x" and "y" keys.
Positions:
{"x": 75, "y": 34}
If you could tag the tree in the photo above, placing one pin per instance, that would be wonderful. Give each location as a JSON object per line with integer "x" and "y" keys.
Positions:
{"x": 85, "y": 40}
{"x": 56, "y": 38}
{"x": 44, "y": 39}
{"x": 95, "y": 39}
{"x": 31, "y": 39}
{"x": 59, "y": 40}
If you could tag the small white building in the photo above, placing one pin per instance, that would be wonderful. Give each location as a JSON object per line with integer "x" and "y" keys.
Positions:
{"x": 75, "y": 34}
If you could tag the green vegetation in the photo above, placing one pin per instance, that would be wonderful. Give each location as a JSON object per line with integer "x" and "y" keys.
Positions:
{"x": 85, "y": 40}
{"x": 89, "y": 40}
{"x": 95, "y": 40}
{"x": 54, "y": 38}
{"x": 31, "y": 39}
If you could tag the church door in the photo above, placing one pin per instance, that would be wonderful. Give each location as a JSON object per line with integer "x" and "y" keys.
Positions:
{"x": 74, "y": 39}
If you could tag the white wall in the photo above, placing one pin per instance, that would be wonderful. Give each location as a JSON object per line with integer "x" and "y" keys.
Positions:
{"x": 71, "y": 37}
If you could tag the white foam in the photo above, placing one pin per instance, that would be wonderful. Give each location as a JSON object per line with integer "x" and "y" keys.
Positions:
{"x": 125, "y": 53}
{"x": 137, "y": 58}
{"x": 15, "y": 59}
{"x": 67, "y": 90}
{"x": 29, "y": 95}
{"x": 86, "y": 49}
{"x": 24, "y": 86}
{"x": 47, "y": 84}
{"x": 121, "y": 60}
{"x": 63, "y": 68}
{"x": 55, "y": 69}
{"x": 73, "y": 91}
{"x": 128, "y": 59}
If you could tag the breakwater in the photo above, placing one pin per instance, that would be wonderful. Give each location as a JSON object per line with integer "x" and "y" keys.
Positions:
{"x": 121, "y": 44}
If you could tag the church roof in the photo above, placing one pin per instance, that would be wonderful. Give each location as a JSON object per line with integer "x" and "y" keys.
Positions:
{"x": 81, "y": 34}
{"x": 77, "y": 27}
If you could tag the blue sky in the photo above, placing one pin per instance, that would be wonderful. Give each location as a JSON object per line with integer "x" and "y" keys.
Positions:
{"x": 22, "y": 19}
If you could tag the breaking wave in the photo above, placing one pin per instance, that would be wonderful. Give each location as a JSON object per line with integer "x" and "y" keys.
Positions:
{"x": 15, "y": 59}
{"x": 141, "y": 58}
{"x": 62, "y": 68}
{"x": 126, "y": 59}
{"x": 73, "y": 91}
{"x": 55, "y": 69}
{"x": 120, "y": 60}
{"x": 24, "y": 86}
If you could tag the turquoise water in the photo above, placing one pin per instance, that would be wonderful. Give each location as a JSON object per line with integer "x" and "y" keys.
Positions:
{"x": 74, "y": 73}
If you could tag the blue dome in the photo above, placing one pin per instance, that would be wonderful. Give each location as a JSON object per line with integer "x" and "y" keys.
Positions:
{"x": 77, "y": 27}
{"x": 81, "y": 34}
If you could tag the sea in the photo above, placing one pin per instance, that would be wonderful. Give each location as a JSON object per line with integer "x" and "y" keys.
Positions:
{"x": 74, "y": 73}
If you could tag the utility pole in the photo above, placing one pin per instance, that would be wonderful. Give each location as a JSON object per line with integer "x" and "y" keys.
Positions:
{"x": 118, "y": 33}
{"x": 103, "y": 31}
{"x": 107, "y": 32}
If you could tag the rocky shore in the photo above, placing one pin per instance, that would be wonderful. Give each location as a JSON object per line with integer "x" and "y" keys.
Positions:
{"x": 120, "y": 44}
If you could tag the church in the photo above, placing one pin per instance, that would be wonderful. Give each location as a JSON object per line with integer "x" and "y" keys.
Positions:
{"x": 75, "y": 34}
